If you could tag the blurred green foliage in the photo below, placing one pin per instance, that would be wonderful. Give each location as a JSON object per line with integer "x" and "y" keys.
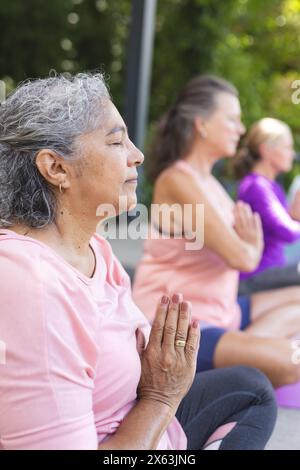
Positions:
{"x": 253, "y": 43}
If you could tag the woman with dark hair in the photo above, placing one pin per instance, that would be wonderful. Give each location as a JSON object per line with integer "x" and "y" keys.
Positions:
{"x": 80, "y": 367}
{"x": 268, "y": 151}
{"x": 202, "y": 127}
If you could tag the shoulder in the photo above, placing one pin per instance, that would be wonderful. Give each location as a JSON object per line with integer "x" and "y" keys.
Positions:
{"x": 252, "y": 186}
{"x": 173, "y": 175}
{"x": 20, "y": 257}
{"x": 21, "y": 290}
{"x": 28, "y": 264}
{"x": 177, "y": 185}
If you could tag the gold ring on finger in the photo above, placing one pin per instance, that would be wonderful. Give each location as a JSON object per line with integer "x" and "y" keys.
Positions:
{"x": 180, "y": 343}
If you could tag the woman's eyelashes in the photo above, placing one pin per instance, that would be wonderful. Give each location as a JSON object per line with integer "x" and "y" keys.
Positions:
{"x": 119, "y": 142}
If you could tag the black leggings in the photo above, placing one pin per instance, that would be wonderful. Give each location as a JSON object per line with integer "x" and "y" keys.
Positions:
{"x": 272, "y": 278}
{"x": 236, "y": 394}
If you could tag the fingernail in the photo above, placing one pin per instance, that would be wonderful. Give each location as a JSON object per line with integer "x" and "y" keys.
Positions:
{"x": 164, "y": 299}
{"x": 175, "y": 298}
{"x": 184, "y": 306}
{"x": 195, "y": 323}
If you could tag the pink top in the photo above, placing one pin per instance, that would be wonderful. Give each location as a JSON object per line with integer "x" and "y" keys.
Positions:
{"x": 70, "y": 368}
{"x": 201, "y": 276}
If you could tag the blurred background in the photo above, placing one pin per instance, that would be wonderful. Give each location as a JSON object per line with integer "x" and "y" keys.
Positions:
{"x": 253, "y": 43}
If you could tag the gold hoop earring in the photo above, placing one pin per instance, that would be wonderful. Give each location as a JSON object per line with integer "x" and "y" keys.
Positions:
{"x": 60, "y": 188}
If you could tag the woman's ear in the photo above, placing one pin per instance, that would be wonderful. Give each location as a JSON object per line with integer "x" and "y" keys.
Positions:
{"x": 200, "y": 127}
{"x": 53, "y": 168}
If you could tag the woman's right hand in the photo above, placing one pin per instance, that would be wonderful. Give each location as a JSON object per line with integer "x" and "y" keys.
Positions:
{"x": 248, "y": 226}
{"x": 168, "y": 369}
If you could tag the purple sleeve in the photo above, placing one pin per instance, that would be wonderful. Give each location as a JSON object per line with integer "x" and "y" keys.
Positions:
{"x": 274, "y": 215}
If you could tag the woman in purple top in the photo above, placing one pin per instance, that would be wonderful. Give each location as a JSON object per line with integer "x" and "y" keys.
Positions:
{"x": 268, "y": 151}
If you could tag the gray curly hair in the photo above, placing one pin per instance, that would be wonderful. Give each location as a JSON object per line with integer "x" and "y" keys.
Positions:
{"x": 44, "y": 113}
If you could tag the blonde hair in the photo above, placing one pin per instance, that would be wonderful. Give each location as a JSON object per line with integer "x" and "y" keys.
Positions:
{"x": 266, "y": 130}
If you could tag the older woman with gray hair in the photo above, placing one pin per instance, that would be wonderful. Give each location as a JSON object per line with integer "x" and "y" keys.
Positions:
{"x": 80, "y": 366}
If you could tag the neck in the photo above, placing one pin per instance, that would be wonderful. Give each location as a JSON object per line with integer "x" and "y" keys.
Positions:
{"x": 264, "y": 169}
{"x": 202, "y": 160}
{"x": 69, "y": 235}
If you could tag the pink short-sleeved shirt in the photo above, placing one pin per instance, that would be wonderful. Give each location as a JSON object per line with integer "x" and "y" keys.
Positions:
{"x": 69, "y": 365}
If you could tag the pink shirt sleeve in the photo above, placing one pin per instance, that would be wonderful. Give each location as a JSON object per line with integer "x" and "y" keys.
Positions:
{"x": 45, "y": 387}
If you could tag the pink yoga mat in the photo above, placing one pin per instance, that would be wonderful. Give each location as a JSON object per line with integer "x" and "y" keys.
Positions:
{"x": 288, "y": 396}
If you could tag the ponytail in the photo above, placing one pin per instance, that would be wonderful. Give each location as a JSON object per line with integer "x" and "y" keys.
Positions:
{"x": 244, "y": 162}
{"x": 175, "y": 131}
{"x": 172, "y": 140}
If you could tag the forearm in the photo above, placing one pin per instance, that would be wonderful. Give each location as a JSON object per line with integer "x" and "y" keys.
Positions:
{"x": 142, "y": 428}
{"x": 241, "y": 255}
{"x": 249, "y": 257}
{"x": 281, "y": 221}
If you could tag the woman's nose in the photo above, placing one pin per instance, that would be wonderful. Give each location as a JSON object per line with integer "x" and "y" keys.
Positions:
{"x": 141, "y": 158}
{"x": 136, "y": 157}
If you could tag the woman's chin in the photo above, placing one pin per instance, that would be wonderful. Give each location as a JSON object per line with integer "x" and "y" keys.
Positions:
{"x": 127, "y": 202}
{"x": 285, "y": 168}
{"x": 229, "y": 151}
{"x": 132, "y": 206}
{"x": 232, "y": 150}
{"x": 229, "y": 154}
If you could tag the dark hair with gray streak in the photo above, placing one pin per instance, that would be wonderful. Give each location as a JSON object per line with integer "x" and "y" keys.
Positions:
{"x": 175, "y": 131}
{"x": 44, "y": 113}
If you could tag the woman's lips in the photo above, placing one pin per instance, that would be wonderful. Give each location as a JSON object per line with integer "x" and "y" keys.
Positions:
{"x": 133, "y": 180}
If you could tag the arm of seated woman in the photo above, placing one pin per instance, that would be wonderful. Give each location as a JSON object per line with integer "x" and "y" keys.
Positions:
{"x": 178, "y": 187}
{"x": 149, "y": 415}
